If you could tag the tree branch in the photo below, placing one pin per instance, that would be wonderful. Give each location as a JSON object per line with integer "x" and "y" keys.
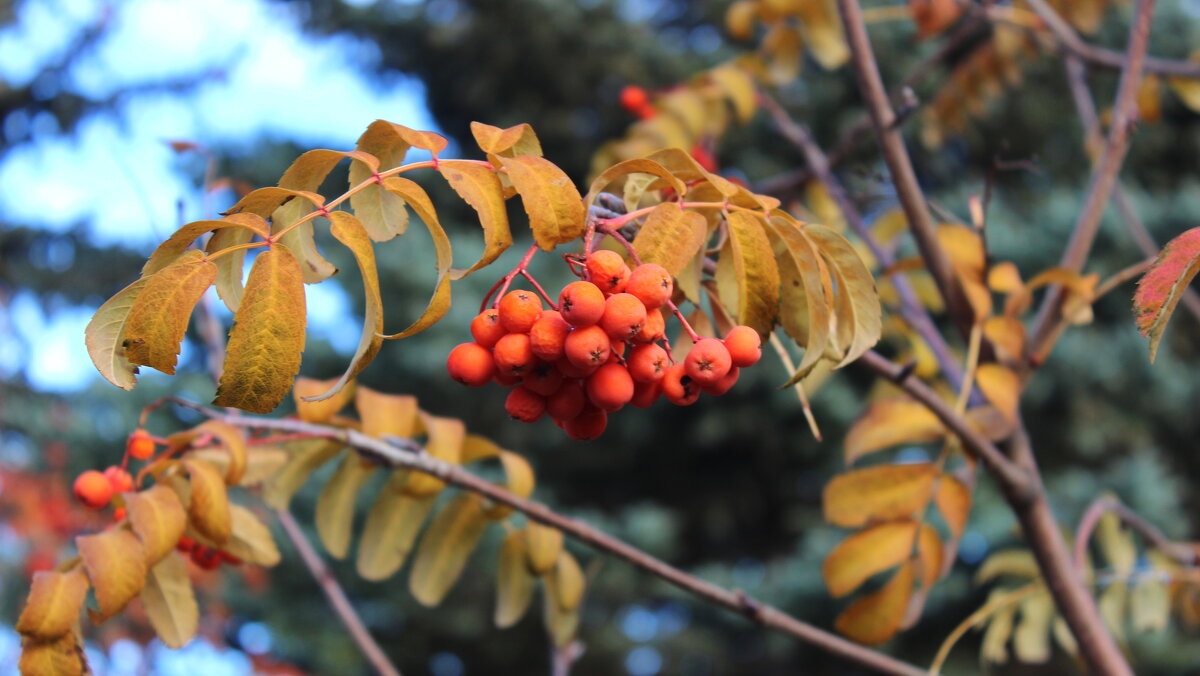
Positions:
{"x": 1154, "y": 537}
{"x": 404, "y": 453}
{"x": 1104, "y": 174}
{"x": 337, "y": 597}
{"x": 900, "y": 166}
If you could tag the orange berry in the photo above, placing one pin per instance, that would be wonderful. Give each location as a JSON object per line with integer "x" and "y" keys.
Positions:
{"x": 470, "y": 364}
{"x": 588, "y": 347}
{"x": 633, "y": 98}
{"x": 548, "y": 334}
{"x": 525, "y": 405}
{"x": 542, "y": 378}
{"x": 722, "y": 386}
{"x": 506, "y": 379}
{"x": 581, "y": 303}
{"x": 587, "y": 425}
{"x": 570, "y": 370}
{"x": 119, "y": 478}
{"x": 653, "y": 328}
{"x": 645, "y": 394}
{"x": 707, "y": 362}
{"x": 513, "y": 353}
{"x": 610, "y": 387}
{"x": 623, "y": 317}
{"x": 567, "y": 402}
{"x": 140, "y": 445}
{"x": 678, "y": 387}
{"x": 648, "y": 363}
{"x": 607, "y": 270}
{"x": 119, "y": 514}
{"x": 93, "y": 489}
{"x": 519, "y": 310}
{"x": 486, "y": 328}
{"x": 652, "y": 285}
{"x": 744, "y": 345}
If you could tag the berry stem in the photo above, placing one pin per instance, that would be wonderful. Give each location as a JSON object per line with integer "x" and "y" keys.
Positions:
{"x": 538, "y": 287}
{"x": 606, "y": 229}
{"x": 503, "y": 283}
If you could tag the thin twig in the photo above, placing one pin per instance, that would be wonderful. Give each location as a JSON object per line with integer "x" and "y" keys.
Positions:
{"x": 404, "y": 453}
{"x": 1104, "y": 174}
{"x": 336, "y": 596}
{"x": 1154, "y": 537}
{"x": 912, "y": 199}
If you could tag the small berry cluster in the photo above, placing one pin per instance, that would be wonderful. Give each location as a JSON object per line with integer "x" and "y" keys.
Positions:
{"x": 208, "y": 558}
{"x": 596, "y": 352}
{"x": 95, "y": 489}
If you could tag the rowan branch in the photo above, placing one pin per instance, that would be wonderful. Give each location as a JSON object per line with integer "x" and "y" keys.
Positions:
{"x": 404, "y": 453}
{"x": 1104, "y": 174}
{"x": 912, "y": 199}
{"x": 1154, "y": 537}
{"x": 336, "y": 597}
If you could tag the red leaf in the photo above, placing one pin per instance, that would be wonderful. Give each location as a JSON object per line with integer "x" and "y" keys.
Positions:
{"x": 1159, "y": 290}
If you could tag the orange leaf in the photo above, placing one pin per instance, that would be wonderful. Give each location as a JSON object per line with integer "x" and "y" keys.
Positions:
{"x": 319, "y": 411}
{"x": 177, "y": 243}
{"x": 634, "y": 166}
{"x": 480, "y": 187}
{"x": 953, "y": 500}
{"x": 929, "y": 555}
{"x": 209, "y": 508}
{"x": 445, "y": 442}
{"x": 875, "y": 618}
{"x": 382, "y": 414}
{"x": 159, "y": 316}
{"x": 54, "y": 602}
{"x": 1007, "y": 336}
{"x": 518, "y": 140}
{"x": 1001, "y": 386}
{"x": 866, "y": 553}
{"x": 555, "y": 209}
{"x": 880, "y": 493}
{"x": 105, "y": 337}
{"x": 382, "y": 212}
{"x": 116, "y": 565}
{"x": 61, "y": 657}
{"x": 670, "y": 237}
{"x": 158, "y": 518}
{"x": 417, "y": 198}
{"x": 890, "y": 422}
{"x": 1159, "y": 290}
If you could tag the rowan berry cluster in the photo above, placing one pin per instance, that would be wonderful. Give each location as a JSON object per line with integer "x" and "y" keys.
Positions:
{"x": 596, "y": 351}
{"x": 95, "y": 489}
{"x": 208, "y": 558}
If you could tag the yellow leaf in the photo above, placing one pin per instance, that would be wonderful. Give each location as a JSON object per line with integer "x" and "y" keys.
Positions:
{"x": 231, "y": 265}
{"x": 930, "y": 555}
{"x": 391, "y": 529}
{"x": 555, "y": 209}
{"x": 448, "y": 542}
{"x": 784, "y": 53}
{"x": 116, "y": 565}
{"x": 738, "y": 86}
{"x": 514, "y": 583}
{"x": 158, "y": 519}
{"x": 263, "y": 354}
{"x": 856, "y": 304}
{"x": 1116, "y": 543}
{"x": 565, "y": 582}
{"x": 209, "y": 508}
{"x": 804, "y": 309}
{"x": 160, "y": 312}
{"x": 1031, "y": 639}
{"x": 322, "y": 411}
{"x": 349, "y": 231}
{"x": 1001, "y": 386}
{"x": 481, "y": 188}
{"x": 964, "y": 247}
{"x": 670, "y": 237}
{"x": 519, "y": 481}
{"x": 307, "y": 456}
{"x": 995, "y": 639}
{"x": 1010, "y": 562}
{"x": 61, "y": 657}
{"x": 1112, "y": 605}
{"x": 445, "y": 442}
{"x": 1003, "y": 277}
{"x": 381, "y": 212}
{"x": 876, "y": 617}
{"x": 543, "y": 544}
{"x": 263, "y": 201}
{"x": 170, "y": 603}
{"x": 1007, "y": 336}
{"x": 953, "y": 500}
{"x": 880, "y": 493}
{"x": 440, "y": 302}
{"x": 335, "y": 505}
{"x": 249, "y": 539}
{"x": 233, "y": 443}
{"x": 1149, "y": 605}
{"x": 177, "y": 243}
{"x": 756, "y": 272}
{"x": 890, "y": 422}
{"x": 388, "y": 415}
{"x": 866, "y": 553}
{"x": 518, "y": 140}
{"x": 562, "y": 625}
{"x": 105, "y": 337}
{"x": 633, "y": 166}
{"x": 1186, "y": 88}
{"x": 739, "y": 19}
{"x": 54, "y": 602}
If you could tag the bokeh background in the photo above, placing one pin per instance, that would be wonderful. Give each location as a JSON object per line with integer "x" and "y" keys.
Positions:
{"x": 94, "y": 92}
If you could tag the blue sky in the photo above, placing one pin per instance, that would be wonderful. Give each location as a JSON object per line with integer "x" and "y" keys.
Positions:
{"x": 117, "y": 174}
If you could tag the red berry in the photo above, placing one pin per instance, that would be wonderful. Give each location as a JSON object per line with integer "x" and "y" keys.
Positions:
{"x": 624, "y": 316}
{"x": 119, "y": 514}
{"x": 525, "y": 405}
{"x": 140, "y": 445}
{"x": 653, "y": 328}
{"x": 119, "y": 479}
{"x": 93, "y": 489}
{"x": 587, "y": 425}
{"x": 548, "y": 335}
{"x": 645, "y": 394}
{"x": 543, "y": 378}
{"x": 588, "y": 347}
{"x": 581, "y": 303}
{"x": 652, "y": 285}
{"x": 567, "y": 402}
{"x": 519, "y": 310}
{"x": 513, "y": 353}
{"x": 610, "y": 387}
{"x": 470, "y": 364}
{"x": 708, "y": 361}
{"x": 744, "y": 345}
{"x": 724, "y": 384}
{"x": 678, "y": 388}
{"x": 648, "y": 363}
{"x": 633, "y": 98}
{"x": 486, "y": 328}
{"x": 607, "y": 270}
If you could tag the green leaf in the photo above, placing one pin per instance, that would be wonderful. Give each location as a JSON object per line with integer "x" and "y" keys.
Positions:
{"x": 670, "y": 237}
{"x": 209, "y": 506}
{"x": 804, "y": 309}
{"x": 555, "y": 209}
{"x": 231, "y": 265}
{"x": 856, "y": 302}
{"x": 170, "y": 602}
{"x": 440, "y": 302}
{"x": 116, "y": 565}
{"x": 307, "y": 456}
{"x": 263, "y": 354}
{"x": 634, "y": 166}
{"x": 391, "y": 529}
{"x": 335, "y": 506}
{"x": 514, "y": 583}
{"x": 756, "y": 272}
{"x": 183, "y": 238}
{"x": 54, "y": 602}
{"x": 445, "y": 548}
{"x": 349, "y": 231}
{"x": 480, "y": 187}
{"x": 1159, "y": 290}
{"x": 105, "y": 337}
{"x": 159, "y": 316}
